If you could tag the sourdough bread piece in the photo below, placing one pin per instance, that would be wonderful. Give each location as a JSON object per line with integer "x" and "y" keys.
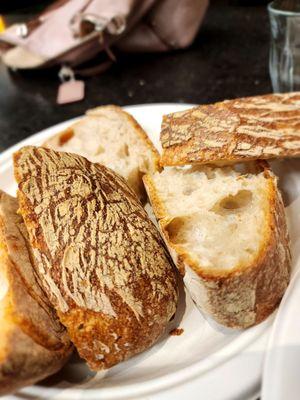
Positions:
{"x": 33, "y": 344}
{"x": 260, "y": 127}
{"x": 102, "y": 261}
{"x": 112, "y": 137}
{"x": 226, "y": 231}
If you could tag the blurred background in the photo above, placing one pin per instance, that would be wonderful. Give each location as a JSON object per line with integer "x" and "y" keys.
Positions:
{"x": 228, "y": 59}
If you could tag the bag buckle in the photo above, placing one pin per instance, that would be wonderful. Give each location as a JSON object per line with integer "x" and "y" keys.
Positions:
{"x": 85, "y": 24}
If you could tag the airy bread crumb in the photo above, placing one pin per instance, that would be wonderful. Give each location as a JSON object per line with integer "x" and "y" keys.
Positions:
{"x": 110, "y": 136}
{"x": 225, "y": 229}
{"x": 216, "y": 214}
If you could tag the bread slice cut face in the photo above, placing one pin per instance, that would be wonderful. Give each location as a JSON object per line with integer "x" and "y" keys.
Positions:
{"x": 112, "y": 137}
{"x": 226, "y": 230}
{"x": 250, "y": 128}
{"x": 33, "y": 343}
{"x": 102, "y": 262}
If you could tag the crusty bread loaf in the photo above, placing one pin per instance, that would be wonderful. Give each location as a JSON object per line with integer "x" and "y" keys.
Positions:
{"x": 33, "y": 344}
{"x": 226, "y": 231}
{"x": 260, "y": 127}
{"x": 101, "y": 260}
{"x": 112, "y": 137}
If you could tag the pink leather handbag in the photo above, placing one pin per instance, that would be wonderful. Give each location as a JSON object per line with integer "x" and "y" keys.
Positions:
{"x": 71, "y": 32}
{"x": 74, "y": 31}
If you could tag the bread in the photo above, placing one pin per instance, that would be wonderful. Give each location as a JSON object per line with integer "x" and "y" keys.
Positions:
{"x": 33, "y": 344}
{"x": 102, "y": 261}
{"x": 226, "y": 231}
{"x": 260, "y": 127}
{"x": 112, "y": 137}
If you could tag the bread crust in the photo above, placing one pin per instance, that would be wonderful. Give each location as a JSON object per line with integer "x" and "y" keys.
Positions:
{"x": 102, "y": 261}
{"x": 25, "y": 362}
{"x": 33, "y": 344}
{"x": 247, "y": 295}
{"x": 251, "y": 128}
{"x": 57, "y": 143}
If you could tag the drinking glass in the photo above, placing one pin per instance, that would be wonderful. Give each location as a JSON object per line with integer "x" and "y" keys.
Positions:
{"x": 285, "y": 47}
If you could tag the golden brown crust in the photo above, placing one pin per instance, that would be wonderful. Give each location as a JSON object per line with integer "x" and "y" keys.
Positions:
{"x": 260, "y": 127}
{"x": 156, "y": 203}
{"x": 102, "y": 261}
{"x": 25, "y": 362}
{"x": 244, "y": 296}
{"x": 33, "y": 344}
{"x": 35, "y": 315}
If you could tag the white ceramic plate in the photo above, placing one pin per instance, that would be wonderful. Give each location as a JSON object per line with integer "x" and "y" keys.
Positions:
{"x": 282, "y": 362}
{"x": 206, "y": 360}
{"x": 281, "y": 368}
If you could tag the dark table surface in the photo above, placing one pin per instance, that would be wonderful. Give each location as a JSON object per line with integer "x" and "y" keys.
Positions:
{"x": 228, "y": 59}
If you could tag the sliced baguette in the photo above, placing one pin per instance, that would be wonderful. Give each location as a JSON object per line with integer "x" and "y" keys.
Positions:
{"x": 112, "y": 137}
{"x": 33, "y": 344}
{"x": 101, "y": 260}
{"x": 227, "y": 233}
{"x": 260, "y": 127}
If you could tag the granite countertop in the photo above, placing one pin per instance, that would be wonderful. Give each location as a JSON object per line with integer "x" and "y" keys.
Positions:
{"x": 228, "y": 59}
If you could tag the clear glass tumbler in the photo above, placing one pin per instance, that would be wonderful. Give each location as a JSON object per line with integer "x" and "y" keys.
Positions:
{"x": 285, "y": 47}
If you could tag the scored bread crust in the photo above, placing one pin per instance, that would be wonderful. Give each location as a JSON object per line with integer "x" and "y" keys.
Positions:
{"x": 33, "y": 344}
{"x": 244, "y": 296}
{"x": 251, "y": 128}
{"x": 36, "y": 316}
{"x": 101, "y": 260}
{"x": 151, "y": 163}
